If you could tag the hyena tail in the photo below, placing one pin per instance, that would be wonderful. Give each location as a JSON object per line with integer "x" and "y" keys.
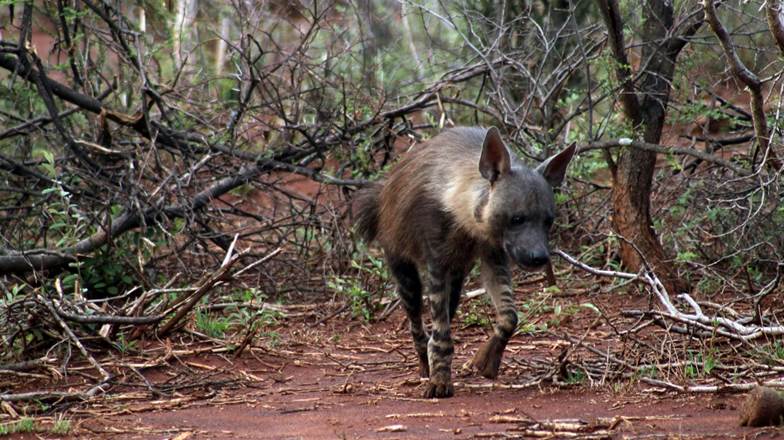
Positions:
{"x": 366, "y": 209}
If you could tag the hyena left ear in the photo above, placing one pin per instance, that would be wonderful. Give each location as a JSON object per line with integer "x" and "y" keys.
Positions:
{"x": 495, "y": 160}
{"x": 554, "y": 168}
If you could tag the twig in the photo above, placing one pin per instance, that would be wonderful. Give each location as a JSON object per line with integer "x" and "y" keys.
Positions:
{"x": 105, "y": 374}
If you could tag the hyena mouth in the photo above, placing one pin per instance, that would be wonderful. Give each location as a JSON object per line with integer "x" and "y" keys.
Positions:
{"x": 533, "y": 267}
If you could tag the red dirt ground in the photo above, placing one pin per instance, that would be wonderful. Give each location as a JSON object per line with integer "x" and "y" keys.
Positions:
{"x": 345, "y": 380}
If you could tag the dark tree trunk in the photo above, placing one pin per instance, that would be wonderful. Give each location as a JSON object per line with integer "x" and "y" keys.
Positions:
{"x": 647, "y": 108}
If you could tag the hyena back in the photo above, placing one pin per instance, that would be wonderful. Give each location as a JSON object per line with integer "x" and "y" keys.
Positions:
{"x": 460, "y": 196}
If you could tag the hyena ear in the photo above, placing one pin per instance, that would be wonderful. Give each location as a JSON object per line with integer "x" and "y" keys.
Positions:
{"x": 554, "y": 168}
{"x": 495, "y": 160}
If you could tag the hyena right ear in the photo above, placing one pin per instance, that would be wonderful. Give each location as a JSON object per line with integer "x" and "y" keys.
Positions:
{"x": 495, "y": 160}
{"x": 554, "y": 168}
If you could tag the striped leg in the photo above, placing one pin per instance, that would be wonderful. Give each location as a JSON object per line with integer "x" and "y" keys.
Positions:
{"x": 497, "y": 281}
{"x": 455, "y": 289}
{"x": 439, "y": 347}
{"x": 410, "y": 291}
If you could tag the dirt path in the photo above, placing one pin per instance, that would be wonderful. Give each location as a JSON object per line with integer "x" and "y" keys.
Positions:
{"x": 349, "y": 381}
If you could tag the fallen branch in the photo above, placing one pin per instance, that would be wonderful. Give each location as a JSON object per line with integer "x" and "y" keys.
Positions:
{"x": 728, "y": 387}
{"x": 220, "y": 275}
{"x": 718, "y": 324}
{"x": 48, "y": 303}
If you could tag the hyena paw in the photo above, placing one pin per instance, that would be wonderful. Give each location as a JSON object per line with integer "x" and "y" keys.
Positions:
{"x": 487, "y": 360}
{"x": 438, "y": 390}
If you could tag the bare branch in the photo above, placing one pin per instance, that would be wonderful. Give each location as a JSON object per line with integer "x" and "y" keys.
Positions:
{"x": 747, "y": 77}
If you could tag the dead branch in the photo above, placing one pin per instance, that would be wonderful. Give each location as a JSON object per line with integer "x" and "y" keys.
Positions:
{"x": 204, "y": 287}
{"x": 105, "y": 374}
{"x": 731, "y": 328}
{"x": 656, "y": 148}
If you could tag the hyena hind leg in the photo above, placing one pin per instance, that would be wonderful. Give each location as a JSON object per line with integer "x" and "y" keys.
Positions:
{"x": 440, "y": 347}
{"x": 497, "y": 281}
{"x": 410, "y": 291}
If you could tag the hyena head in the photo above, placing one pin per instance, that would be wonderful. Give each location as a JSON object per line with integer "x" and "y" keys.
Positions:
{"x": 520, "y": 204}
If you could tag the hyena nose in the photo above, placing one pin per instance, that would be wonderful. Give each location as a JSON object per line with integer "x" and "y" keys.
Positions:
{"x": 539, "y": 258}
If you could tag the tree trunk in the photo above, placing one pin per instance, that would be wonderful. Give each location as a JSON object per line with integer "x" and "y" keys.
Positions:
{"x": 633, "y": 179}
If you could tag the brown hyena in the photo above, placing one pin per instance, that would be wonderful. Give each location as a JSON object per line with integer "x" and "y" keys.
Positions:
{"x": 460, "y": 196}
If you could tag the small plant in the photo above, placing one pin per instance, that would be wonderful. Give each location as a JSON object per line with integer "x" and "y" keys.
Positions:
{"x": 273, "y": 338}
{"x": 125, "y": 346}
{"x": 686, "y": 257}
{"x": 475, "y": 317}
{"x": 575, "y": 377}
{"x": 708, "y": 363}
{"x": 700, "y": 364}
{"x": 773, "y": 353}
{"x": 778, "y": 350}
{"x": 360, "y": 300}
{"x": 62, "y": 426}
{"x": 532, "y": 329}
{"x": 650, "y": 371}
{"x": 358, "y": 297}
{"x": 690, "y": 370}
{"x": 212, "y": 326}
{"x": 24, "y": 425}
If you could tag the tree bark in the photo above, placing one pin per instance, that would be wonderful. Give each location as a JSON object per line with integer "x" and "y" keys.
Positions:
{"x": 646, "y": 108}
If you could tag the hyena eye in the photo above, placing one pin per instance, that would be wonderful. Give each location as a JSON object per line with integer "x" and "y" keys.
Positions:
{"x": 517, "y": 220}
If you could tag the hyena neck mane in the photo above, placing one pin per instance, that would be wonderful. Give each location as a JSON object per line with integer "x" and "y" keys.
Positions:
{"x": 477, "y": 205}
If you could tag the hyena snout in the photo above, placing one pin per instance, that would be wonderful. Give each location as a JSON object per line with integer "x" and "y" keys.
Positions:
{"x": 530, "y": 258}
{"x": 538, "y": 258}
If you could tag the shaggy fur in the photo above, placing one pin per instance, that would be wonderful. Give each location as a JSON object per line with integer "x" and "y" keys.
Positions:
{"x": 460, "y": 196}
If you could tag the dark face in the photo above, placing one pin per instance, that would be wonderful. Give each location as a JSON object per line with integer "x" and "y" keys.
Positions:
{"x": 523, "y": 213}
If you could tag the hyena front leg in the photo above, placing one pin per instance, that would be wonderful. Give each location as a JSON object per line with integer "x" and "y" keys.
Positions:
{"x": 498, "y": 284}
{"x": 440, "y": 347}
{"x": 410, "y": 291}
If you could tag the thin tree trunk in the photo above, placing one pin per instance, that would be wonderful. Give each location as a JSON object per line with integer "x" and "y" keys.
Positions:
{"x": 183, "y": 30}
{"x": 220, "y": 56}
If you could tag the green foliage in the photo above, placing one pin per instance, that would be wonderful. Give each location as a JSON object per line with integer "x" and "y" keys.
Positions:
{"x": 360, "y": 300}
{"x": 110, "y": 271}
{"x": 240, "y": 317}
{"x": 686, "y": 257}
{"x": 123, "y": 345}
{"x": 700, "y": 363}
{"x": 24, "y": 425}
{"x": 28, "y": 425}
{"x": 542, "y": 312}
{"x": 61, "y": 426}
{"x": 528, "y": 316}
{"x": 778, "y": 350}
{"x": 476, "y": 315}
{"x": 212, "y": 325}
{"x": 650, "y": 371}
{"x": 250, "y": 319}
{"x": 771, "y": 354}
{"x": 709, "y": 285}
{"x": 575, "y": 376}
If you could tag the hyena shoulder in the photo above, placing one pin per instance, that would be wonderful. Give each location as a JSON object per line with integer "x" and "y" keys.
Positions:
{"x": 420, "y": 200}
